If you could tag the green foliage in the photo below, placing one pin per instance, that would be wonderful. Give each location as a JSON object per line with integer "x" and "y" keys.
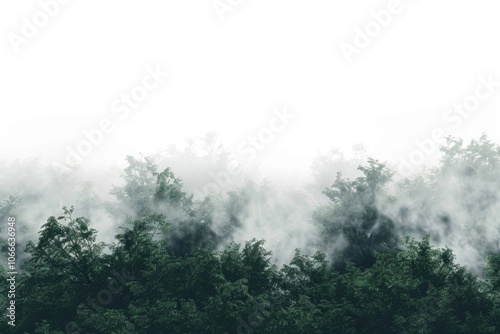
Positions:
{"x": 353, "y": 217}
{"x": 416, "y": 290}
{"x": 168, "y": 270}
{"x": 168, "y": 188}
{"x": 65, "y": 265}
{"x": 7, "y": 207}
{"x": 480, "y": 157}
{"x": 136, "y": 195}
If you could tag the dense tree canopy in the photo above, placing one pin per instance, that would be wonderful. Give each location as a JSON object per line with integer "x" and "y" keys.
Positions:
{"x": 172, "y": 267}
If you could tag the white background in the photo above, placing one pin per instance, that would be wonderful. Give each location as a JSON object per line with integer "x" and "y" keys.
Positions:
{"x": 227, "y": 75}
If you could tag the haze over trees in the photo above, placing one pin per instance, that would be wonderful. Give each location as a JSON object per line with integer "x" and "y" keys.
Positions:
{"x": 380, "y": 254}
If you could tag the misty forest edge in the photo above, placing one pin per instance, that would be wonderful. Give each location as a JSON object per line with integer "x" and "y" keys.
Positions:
{"x": 376, "y": 268}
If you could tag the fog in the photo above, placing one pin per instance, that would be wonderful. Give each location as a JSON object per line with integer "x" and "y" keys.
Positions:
{"x": 455, "y": 202}
{"x": 256, "y": 108}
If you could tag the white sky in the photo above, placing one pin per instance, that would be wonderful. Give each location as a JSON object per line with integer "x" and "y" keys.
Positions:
{"x": 228, "y": 75}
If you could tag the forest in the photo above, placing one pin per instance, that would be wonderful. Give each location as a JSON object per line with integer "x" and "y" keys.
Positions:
{"x": 382, "y": 253}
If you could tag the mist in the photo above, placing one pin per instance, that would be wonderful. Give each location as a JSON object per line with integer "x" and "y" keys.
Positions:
{"x": 456, "y": 201}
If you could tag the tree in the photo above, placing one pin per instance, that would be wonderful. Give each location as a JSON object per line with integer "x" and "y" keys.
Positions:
{"x": 353, "y": 220}
{"x": 65, "y": 266}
